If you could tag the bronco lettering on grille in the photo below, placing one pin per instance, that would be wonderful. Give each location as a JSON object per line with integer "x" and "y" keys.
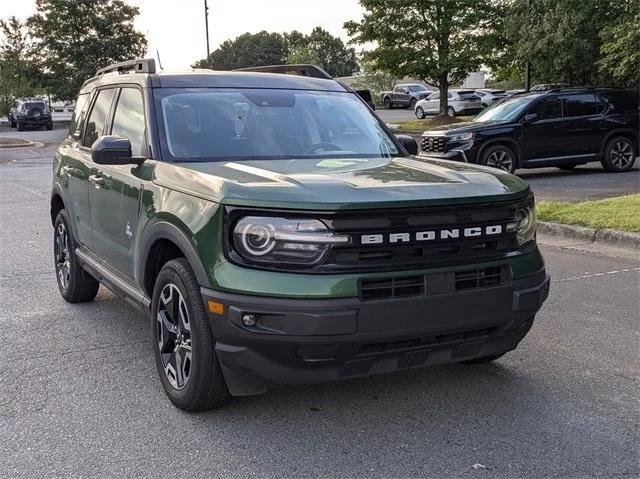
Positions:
{"x": 432, "y": 235}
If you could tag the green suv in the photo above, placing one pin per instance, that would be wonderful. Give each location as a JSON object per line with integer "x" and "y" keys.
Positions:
{"x": 276, "y": 232}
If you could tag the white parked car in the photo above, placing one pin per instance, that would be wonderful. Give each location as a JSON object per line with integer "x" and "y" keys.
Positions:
{"x": 460, "y": 102}
{"x": 489, "y": 96}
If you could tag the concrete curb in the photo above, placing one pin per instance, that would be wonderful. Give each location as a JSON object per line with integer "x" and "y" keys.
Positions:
{"x": 618, "y": 239}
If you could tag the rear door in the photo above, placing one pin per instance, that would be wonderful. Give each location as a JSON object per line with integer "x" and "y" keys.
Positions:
{"x": 115, "y": 199}
{"x": 585, "y": 123}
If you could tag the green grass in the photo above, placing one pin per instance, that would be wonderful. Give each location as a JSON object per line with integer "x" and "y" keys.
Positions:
{"x": 422, "y": 125}
{"x": 619, "y": 213}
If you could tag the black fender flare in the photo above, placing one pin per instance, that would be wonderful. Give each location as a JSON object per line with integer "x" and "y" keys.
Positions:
{"x": 163, "y": 230}
{"x": 502, "y": 140}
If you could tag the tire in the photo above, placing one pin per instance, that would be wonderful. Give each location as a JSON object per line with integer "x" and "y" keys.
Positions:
{"x": 419, "y": 113}
{"x": 183, "y": 343}
{"x": 20, "y": 126}
{"x": 483, "y": 360}
{"x": 619, "y": 155}
{"x": 74, "y": 283}
{"x": 387, "y": 103}
{"x": 12, "y": 123}
{"x": 451, "y": 111}
{"x": 412, "y": 104}
{"x": 484, "y": 105}
{"x": 50, "y": 126}
{"x": 494, "y": 156}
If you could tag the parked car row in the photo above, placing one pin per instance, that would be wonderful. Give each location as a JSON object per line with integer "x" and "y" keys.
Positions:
{"x": 30, "y": 112}
{"x": 562, "y": 127}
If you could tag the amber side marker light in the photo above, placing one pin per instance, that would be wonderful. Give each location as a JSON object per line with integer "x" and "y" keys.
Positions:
{"x": 215, "y": 307}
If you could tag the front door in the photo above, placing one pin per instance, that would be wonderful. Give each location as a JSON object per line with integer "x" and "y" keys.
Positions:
{"x": 115, "y": 199}
{"x": 545, "y": 137}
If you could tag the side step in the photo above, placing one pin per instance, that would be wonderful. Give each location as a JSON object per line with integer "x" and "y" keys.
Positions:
{"x": 118, "y": 285}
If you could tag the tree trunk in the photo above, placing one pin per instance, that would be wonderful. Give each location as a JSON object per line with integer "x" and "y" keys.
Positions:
{"x": 443, "y": 81}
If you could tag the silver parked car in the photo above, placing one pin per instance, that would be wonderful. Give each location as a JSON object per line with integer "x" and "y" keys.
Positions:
{"x": 460, "y": 102}
{"x": 488, "y": 96}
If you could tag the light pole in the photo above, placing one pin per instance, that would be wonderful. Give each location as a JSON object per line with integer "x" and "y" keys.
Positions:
{"x": 206, "y": 25}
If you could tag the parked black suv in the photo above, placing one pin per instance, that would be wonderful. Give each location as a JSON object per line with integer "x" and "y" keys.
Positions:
{"x": 30, "y": 112}
{"x": 561, "y": 127}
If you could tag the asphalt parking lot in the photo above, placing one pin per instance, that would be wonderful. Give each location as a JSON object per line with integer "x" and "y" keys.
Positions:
{"x": 79, "y": 394}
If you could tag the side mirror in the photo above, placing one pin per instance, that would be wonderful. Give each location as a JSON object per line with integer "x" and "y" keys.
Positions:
{"x": 409, "y": 144}
{"x": 529, "y": 118}
{"x": 113, "y": 150}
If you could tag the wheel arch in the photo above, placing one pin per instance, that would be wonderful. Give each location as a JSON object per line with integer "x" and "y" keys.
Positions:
{"x": 161, "y": 242}
{"x": 626, "y": 133}
{"x": 56, "y": 205}
{"x": 505, "y": 142}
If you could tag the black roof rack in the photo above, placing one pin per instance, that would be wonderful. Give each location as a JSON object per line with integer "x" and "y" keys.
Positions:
{"x": 302, "y": 70}
{"x": 570, "y": 89}
{"x": 145, "y": 65}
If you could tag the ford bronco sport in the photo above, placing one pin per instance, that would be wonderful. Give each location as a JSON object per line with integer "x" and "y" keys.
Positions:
{"x": 275, "y": 232}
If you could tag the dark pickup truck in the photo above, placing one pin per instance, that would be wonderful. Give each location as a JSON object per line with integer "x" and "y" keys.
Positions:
{"x": 406, "y": 95}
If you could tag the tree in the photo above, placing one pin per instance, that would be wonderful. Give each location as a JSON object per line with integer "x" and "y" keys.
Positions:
{"x": 328, "y": 52}
{"x": 437, "y": 41}
{"x": 561, "y": 40}
{"x": 621, "y": 47}
{"x": 18, "y": 77}
{"x": 374, "y": 80}
{"x": 74, "y": 38}
{"x": 249, "y": 49}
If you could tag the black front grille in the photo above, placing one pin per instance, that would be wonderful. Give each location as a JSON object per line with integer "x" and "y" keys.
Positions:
{"x": 433, "y": 283}
{"x": 431, "y": 144}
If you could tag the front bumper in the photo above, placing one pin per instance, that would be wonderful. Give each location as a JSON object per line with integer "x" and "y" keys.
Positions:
{"x": 300, "y": 341}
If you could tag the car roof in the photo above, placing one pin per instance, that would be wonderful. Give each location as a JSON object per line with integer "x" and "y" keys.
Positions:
{"x": 214, "y": 79}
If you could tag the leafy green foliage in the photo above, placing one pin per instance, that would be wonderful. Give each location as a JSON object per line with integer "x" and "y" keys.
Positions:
{"x": 264, "y": 48}
{"x": 374, "y": 80}
{"x": 73, "y": 39}
{"x": 18, "y": 76}
{"x": 437, "y": 41}
{"x": 621, "y": 46}
{"x": 326, "y": 51}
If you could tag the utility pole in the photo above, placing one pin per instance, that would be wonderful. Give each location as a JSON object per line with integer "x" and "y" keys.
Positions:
{"x": 206, "y": 25}
{"x": 527, "y": 66}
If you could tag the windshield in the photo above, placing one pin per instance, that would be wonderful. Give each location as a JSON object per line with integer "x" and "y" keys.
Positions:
{"x": 506, "y": 110}
{"x": 417, "y": 88}
{"x": 209, "y": 124}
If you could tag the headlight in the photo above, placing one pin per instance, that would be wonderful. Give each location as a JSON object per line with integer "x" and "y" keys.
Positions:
{"x": 288, "y": 241}
{"x": 461, "y": 137}
{"x": 525, "y": 224}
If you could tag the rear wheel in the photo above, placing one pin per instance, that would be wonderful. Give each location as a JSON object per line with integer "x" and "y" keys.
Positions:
{"x": 20, "y": 126}
{"x": 419, "y": 113}
{"x": 501, "y": 157}
{"x": 183, "y": 342}
{"x": 75, "y": 284}
{"x": 387, "y": 103}
{"x": 412, "y": 103}
{"x": 619, "y": 155}
{"x": 451, "y": 111}
{"x": 12, "y": 123}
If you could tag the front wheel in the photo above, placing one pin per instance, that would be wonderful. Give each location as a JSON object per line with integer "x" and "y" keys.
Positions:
{"x": 74, "y": 283}
{"x": 499, "y": 156}
{"x": 451, "y": 111}
{"x": 20, "y": 126}
{"x": 12, "y": 123}
{"x": 419, "y": 113}
{"x": 619, "y": 155}
{"x": 387, "y": 103}
{"x": 183, "y": 343}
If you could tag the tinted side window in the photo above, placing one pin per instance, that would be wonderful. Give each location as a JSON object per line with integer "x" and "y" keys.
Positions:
{"x": 621, "y": 100}
{"x": 77, "y": 119}
{"x": 435, "y": 96}
{"x": 548, "y": 109}
{"x": 98, "y": 117}
{"x": 581, "y": 105}
{"x": 128, "y": 120}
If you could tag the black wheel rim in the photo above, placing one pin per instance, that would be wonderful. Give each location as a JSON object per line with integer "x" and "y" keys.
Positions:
{"x": 500, "y": 159}
{"x": 621, "y": 154}
{"x": 63, "y": 261}
{"x": 174, "y": 336}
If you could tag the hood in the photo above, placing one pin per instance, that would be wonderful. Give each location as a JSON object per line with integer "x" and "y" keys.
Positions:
{"x": 465, "y": 127}
{"x": 335, "y": 184}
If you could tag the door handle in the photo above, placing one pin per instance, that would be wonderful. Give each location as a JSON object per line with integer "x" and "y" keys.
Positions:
{"x": 97, "y": 180}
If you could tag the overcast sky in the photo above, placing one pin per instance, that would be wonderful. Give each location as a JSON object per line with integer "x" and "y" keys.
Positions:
{"x": 176, "y": 27}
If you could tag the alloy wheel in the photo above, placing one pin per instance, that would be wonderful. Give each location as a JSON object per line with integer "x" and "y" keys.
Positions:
{"x": 174, "y": 336}
{"x": 63, "y": 260}
{"x": 500, "y": 159}
{"x": 621, "y": 155}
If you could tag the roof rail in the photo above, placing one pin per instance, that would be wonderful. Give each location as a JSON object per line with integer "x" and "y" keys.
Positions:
{"x": 145, "y": 65}
{"x": 301, "y": 70}
{"x": 571, "y": 89}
